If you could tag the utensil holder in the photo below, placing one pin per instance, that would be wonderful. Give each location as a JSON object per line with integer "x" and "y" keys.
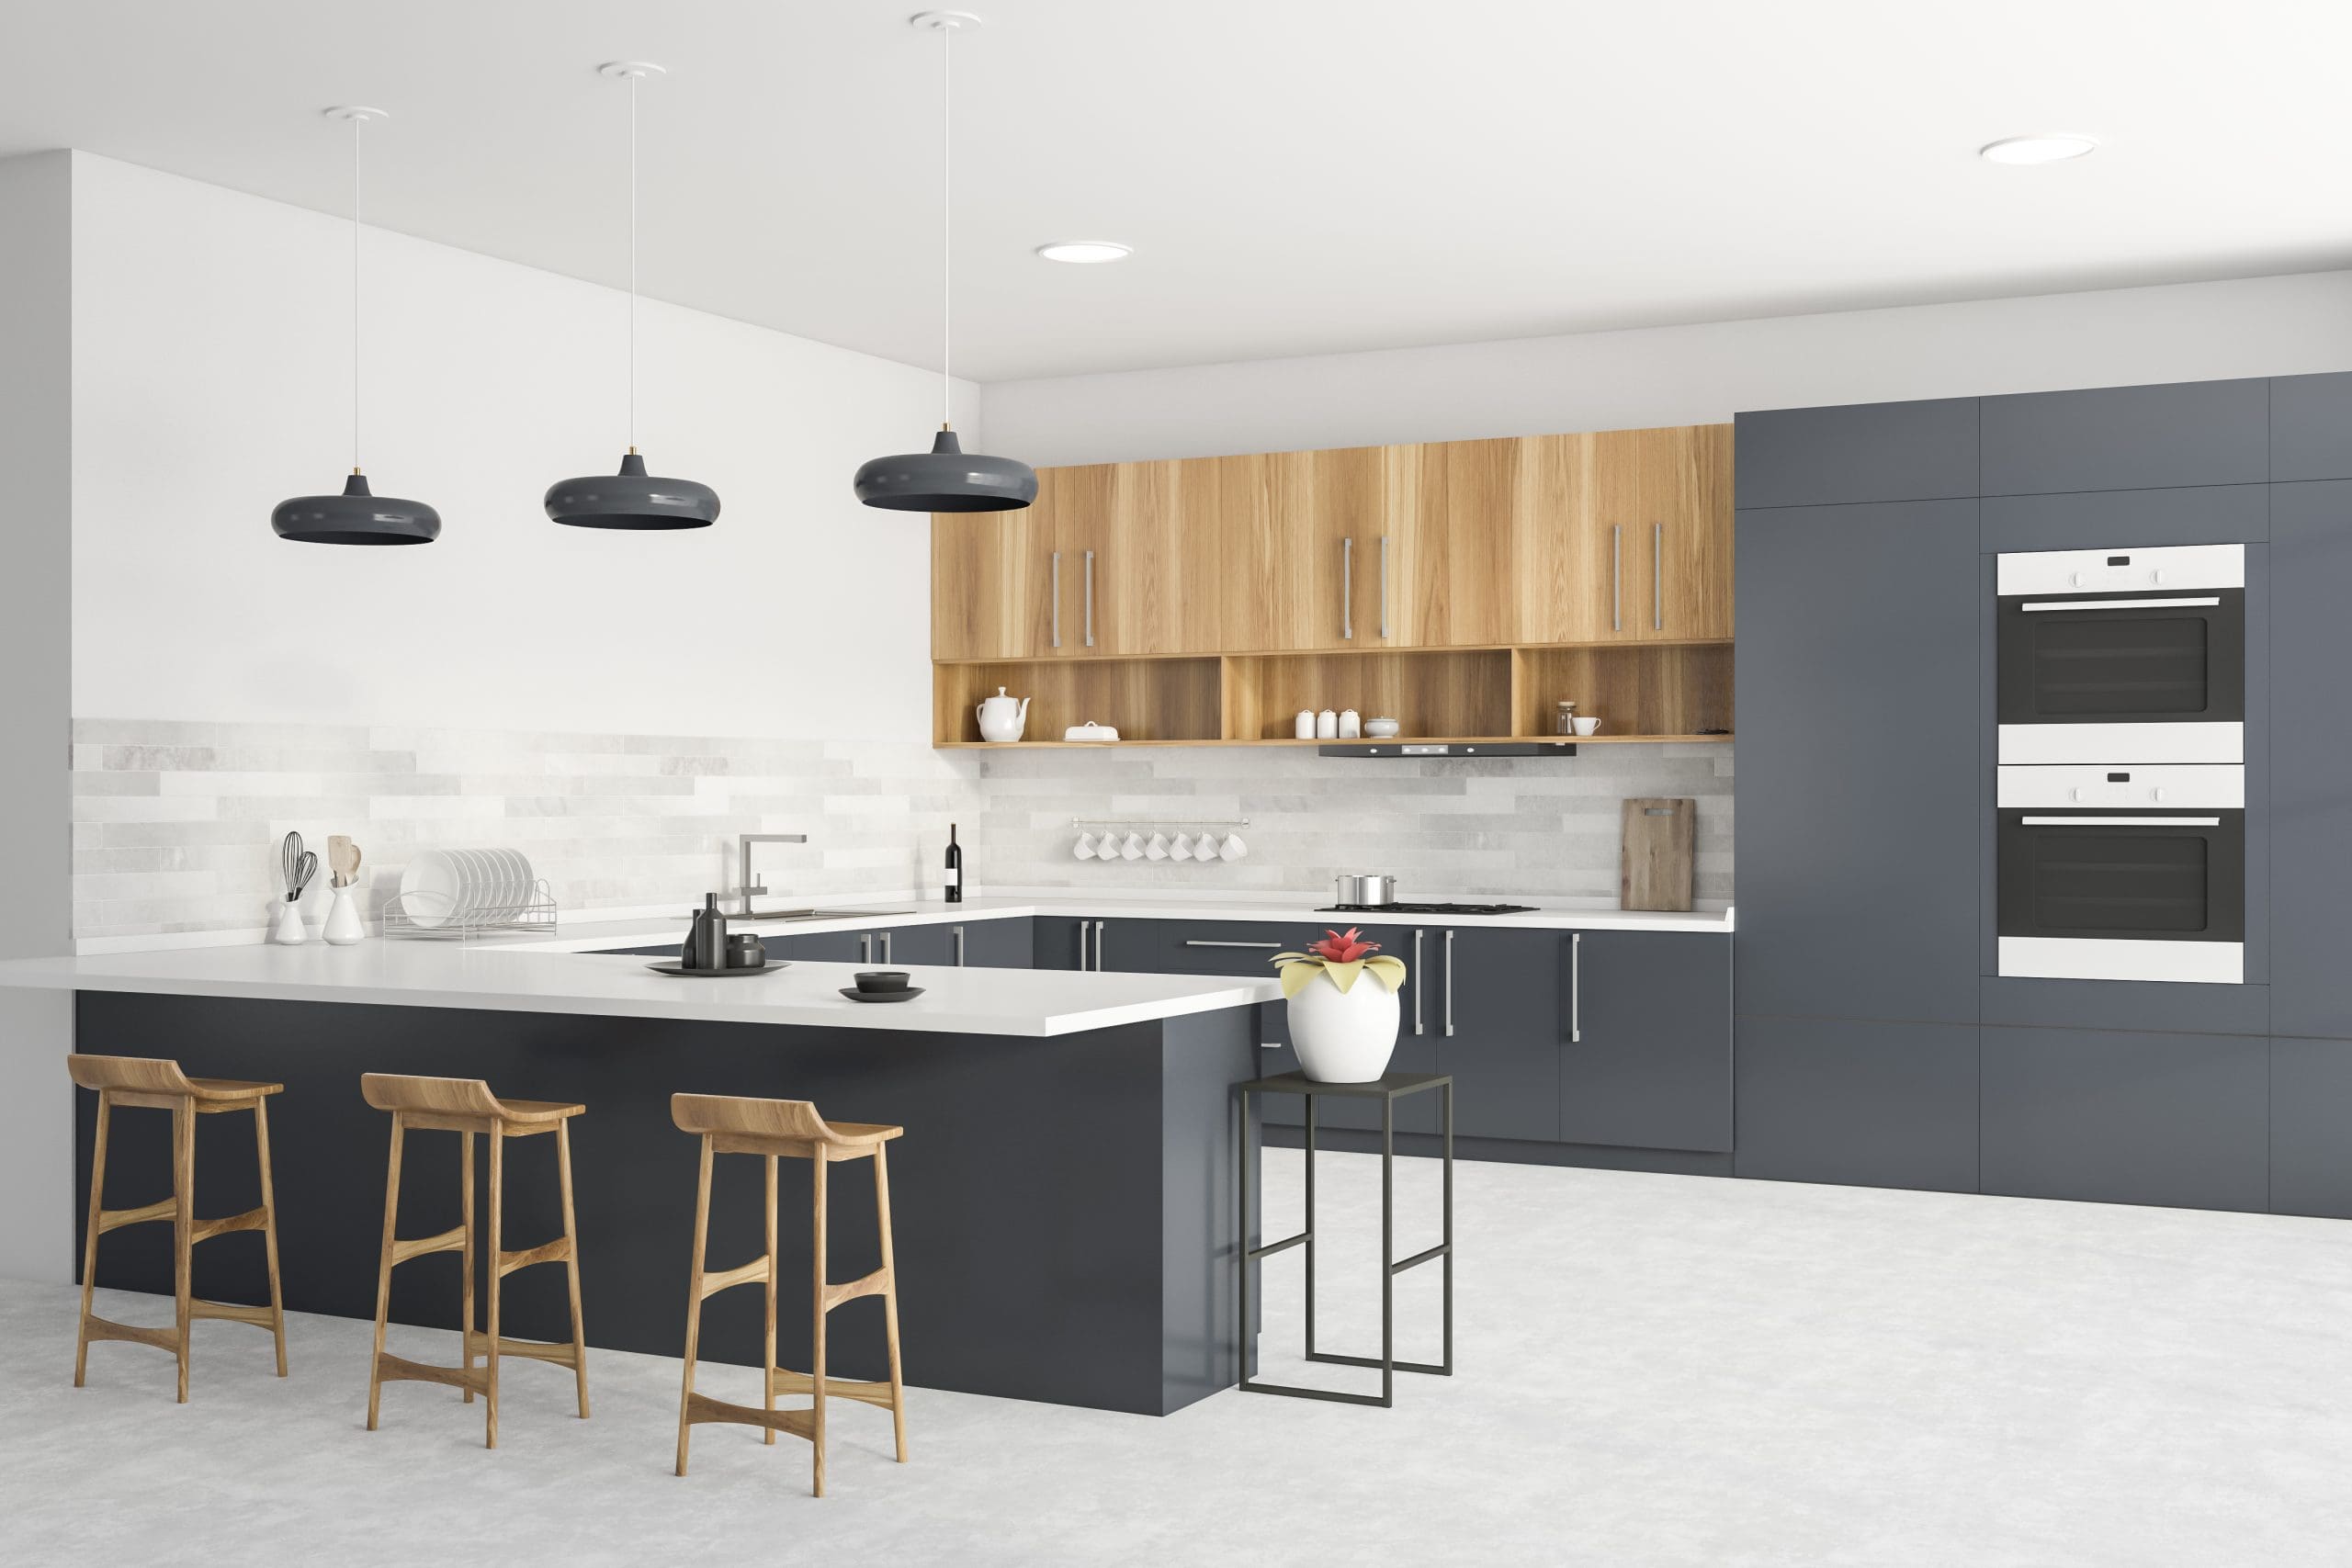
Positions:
{"x": 289, "y": 931}
{"x": 344, "y": 925}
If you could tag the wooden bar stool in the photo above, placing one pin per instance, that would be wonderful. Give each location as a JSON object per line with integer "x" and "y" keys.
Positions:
{"x": 466, "y": 1106}
{"x": 153, "y": 1084}
{"x": 788, "y": 1129}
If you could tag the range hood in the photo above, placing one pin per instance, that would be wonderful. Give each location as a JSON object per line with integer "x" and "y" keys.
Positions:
{"x": 1448, "y": 749}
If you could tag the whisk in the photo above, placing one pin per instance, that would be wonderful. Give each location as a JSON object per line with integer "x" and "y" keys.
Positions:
{"x": 299, "y": 866}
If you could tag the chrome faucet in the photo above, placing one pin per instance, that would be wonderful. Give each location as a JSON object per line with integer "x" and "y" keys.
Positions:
{"x": 749, "y": 889}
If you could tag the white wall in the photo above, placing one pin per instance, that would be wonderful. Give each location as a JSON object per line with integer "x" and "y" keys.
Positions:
{"x": 212, "y": 379}
{"x": 36, "y": 448}
{"x": 2269, "y": 326}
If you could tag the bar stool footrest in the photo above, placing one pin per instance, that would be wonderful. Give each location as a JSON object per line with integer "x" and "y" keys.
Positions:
{"x": 234, "y": 1312}
{"x": 872, "y": 1284}
{"x": 391, "y": 1368}
{"x": 701, "y": 1408}
{"x": 556, "y": 1251}
{"x": 115, "y": 1219}
{"x": 420, "y": 1247}
{"x": 1375, "y": 1363}
{"x": 784, "y": 1381}
{"x": 1332, "y": 1395}
{"x": 96, "y": 1328}
{"x": 250, "y": 1220}
{"x": 478, "y": 1343}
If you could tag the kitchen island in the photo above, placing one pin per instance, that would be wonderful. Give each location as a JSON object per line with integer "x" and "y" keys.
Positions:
{"x": 1064, "y": 1204}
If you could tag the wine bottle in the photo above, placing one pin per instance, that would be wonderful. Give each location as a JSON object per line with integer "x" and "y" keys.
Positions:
{"x": 955, "y": 868}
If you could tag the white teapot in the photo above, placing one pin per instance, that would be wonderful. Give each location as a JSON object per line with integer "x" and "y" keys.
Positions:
{"x": 1002, "y": 718}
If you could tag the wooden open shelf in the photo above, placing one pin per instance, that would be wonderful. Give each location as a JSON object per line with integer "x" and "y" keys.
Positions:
{"x": 1648, "y": 693}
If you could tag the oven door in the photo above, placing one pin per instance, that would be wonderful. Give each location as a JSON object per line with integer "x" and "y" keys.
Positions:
{"x": 2132, "y": 661}
{"x": 2122, "y": 893}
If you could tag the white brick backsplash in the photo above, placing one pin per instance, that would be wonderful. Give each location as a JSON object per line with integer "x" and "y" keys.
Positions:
{"x": 176, "y": 823}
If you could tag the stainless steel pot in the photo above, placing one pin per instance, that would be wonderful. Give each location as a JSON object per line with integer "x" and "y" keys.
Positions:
{"x": 1374, "y": 892}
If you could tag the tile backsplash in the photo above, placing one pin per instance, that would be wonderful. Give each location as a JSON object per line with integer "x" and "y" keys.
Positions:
{"x": 175, "y": 823}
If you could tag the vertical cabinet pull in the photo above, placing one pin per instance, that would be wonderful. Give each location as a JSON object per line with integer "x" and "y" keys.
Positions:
{"x": 1098, "y": 944}
{"x": 1657, "y": 577}
{"x": 1576, "y": 988}
{"x": 1617, "y": 577}
{"x": 1347, "y": 587}
{"x": 958, "y": 931}
{"x": 886, "y": 947}
{"x": 1090, "y": 598}
{"x": 1417, "y": 984}
{"x": 1449, "y": 984}
{"x": 865, "y": 947}
{"x": 1057, "y": 598}
{"x": 1081, "y": 944}
{"x": 1384, "y": 587}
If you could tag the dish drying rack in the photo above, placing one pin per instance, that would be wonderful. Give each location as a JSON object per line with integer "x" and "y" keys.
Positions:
{"x": 535, "y": 913}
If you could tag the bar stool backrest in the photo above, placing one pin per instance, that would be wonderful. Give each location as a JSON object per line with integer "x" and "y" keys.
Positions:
{"x": 435, "y": 1097}
{"x": 135, "y": 1074}
{"x": 722, "y": 1113}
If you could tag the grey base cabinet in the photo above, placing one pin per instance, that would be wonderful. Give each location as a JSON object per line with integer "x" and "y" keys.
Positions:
{"x": 2180, "y": 1121}
{"x": 994, "y": 944}
{"x": 1645, "y": 1061}
{"x": 1857, "y": 1102}
{"x": 1491, "y": 1001}
{"x": 1065, "y": 942}
{"x": 2311, "y": 1127}
{"x": 2310, "y": 758}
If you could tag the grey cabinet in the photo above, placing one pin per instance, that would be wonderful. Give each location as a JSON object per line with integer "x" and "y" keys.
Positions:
{"x": 1863, "y": 1104}
{"x": 997, "y": 943}
{"x": 1824, "y": 456}
{"x": 2311, "y": 1107}
{"x": 2310, "y": 758}
{"x": 2310, "y": 427}
{"x": 1857, "y": 666}
{"x": 2196, "y": 514}
{"x": 924, "y": 944}
{"x": 2121, "y": 1117}
{"x": 1490, "y": 999}
{"x": 1065, "y": 943}
{"x": 824, "y": 947}
{"x": 1646, "y": 1059}
{"x": 2185, "y": 433}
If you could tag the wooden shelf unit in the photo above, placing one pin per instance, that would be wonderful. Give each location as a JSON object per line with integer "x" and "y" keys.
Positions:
{"x": 1652, "y": 693}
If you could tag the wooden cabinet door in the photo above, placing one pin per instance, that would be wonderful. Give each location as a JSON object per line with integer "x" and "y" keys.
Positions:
{"x": 1262, "y": 585}
{"x": 1155, "y": 566}
{"x": 990, "y": 582}
{"x": 1662, "y": 499}
{"x": 1462, "y": 574}
{"x": 1561, "y": 554}
{"x": 1084, "y": 600}
{"x": 1304, "y": 539}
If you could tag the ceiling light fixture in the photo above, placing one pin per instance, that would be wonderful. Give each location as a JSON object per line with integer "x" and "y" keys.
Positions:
{"x": 1084, "y": 252}
{"x": 946, "y": 477}
{"x": 632, "y": 499}
{"x": 2046, "y": 147}
{"x": 356, "y": 518}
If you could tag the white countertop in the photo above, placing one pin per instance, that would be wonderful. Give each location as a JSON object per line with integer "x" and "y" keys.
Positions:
{"x": 517, "y": 978}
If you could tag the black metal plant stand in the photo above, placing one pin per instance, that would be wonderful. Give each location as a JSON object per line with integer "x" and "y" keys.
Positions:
{"x": 1387, "y": 1090}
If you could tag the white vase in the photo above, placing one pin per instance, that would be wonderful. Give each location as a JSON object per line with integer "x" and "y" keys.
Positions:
{"x": 344, "y": 925}
{"x": 290, "y": 930}
{"x": 1344, "y": 1036}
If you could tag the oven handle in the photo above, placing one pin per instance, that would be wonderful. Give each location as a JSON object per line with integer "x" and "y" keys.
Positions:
{"x": 2120, "y": 821}
{"x": 2120, "y": 605}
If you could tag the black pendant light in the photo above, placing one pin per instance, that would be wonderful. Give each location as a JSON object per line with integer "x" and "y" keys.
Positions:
{"x": 946, "y": 477}
{"x": 356, "y": 516}
{"x": 632, "y": 498}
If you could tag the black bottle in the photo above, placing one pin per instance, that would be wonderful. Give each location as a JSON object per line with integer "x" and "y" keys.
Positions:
{"x": 706, "y": 938}
{"x": 955, "y": 868}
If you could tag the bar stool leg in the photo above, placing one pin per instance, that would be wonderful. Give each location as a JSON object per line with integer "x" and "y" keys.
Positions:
{"x": 693, "y": 1303}
{"x": 889, "y": 1299}
{"x": 817, "y": 1325}
{"x": 767, "y": 1377}
{"x": 90, "y": 1247}
{"x": 466, "y": 1257}
{"x": 497, "y": 1240}
{"x": 184, "y": 1225}
{"x": 571, "y": 1263}
{"x": 269, "y": 1229}
{"x": 384, "y": 1268}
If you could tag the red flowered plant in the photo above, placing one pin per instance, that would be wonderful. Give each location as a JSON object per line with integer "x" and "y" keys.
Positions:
{"x": 1341, "y": 956}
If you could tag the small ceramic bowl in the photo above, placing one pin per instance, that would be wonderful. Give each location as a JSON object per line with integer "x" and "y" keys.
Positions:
{"x": 1381, "y": 729}
{"x": 882, "y": 980}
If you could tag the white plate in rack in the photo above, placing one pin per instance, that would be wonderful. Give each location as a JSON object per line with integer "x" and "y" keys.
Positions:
{"x": 431, "y": 889}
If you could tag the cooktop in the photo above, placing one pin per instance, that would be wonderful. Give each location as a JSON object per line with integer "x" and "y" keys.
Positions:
{"x": 1426, "y": 909}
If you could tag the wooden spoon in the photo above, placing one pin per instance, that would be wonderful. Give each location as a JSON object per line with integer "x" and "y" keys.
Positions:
{"x": 343, "y": 859}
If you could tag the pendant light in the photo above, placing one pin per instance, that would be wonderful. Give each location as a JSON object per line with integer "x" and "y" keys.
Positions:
{"x": 946, "y": 477}
{"x": 632, "y": 499}
{"x": 356, "y": 516}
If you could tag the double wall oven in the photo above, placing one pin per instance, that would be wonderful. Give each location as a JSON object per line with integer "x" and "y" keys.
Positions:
{"x": 2120, "y": 790}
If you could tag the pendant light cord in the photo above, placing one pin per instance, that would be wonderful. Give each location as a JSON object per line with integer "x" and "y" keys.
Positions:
{"x": 946, "y": 223}
{"x": 632, "y": 261}
{"x": 357, "y": 122}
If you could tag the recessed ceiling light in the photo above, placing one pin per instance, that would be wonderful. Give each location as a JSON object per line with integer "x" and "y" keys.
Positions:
{"x": 1084, "y": 251}
{"x": 2049, "y": 147}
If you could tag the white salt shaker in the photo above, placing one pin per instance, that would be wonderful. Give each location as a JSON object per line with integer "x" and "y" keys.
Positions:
{"x": 1326, "y": 725}
{"x": 1304, "y": 726}
{"x": 1350, "y": 724}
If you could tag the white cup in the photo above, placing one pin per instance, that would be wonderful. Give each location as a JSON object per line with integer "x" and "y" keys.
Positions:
{"x": 1085, "y": 849}
{"x": 1232, "y": 847}
{"x": 1132, "y": 848}
{"x": 1158, "y": 848}
{"x": 1183, "y": 848}
{"x": 1588, "y": 726}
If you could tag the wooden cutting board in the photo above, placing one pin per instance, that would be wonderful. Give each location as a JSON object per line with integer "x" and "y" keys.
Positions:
{"x": 1659, "y": 839}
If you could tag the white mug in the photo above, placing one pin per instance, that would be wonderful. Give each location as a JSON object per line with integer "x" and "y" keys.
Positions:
{"x": 1085, "y": 849}
{"x": 1183, "y": 848}
{"x": 1588, "y": 726}
{"x": 1132, "y": 848}
{"x": 1232, "y": 847}
{"x": 1158, "y": 848}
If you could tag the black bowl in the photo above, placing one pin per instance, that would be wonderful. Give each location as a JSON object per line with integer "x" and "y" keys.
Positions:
{"x": 883, "y": 980}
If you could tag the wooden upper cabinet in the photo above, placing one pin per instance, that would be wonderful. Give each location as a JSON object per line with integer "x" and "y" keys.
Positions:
{"x": 1083, "y": 599}
{"x": 1466, "y": 528}
{"x": 1156, "y": 569}
{"x": 1311, "y": 552}
{"x": 1566, "y": 586}
{"x": 1664, "y": 497}
{"x": 990, "y": 582}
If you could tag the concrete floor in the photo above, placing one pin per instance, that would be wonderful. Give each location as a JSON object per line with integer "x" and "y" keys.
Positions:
{"x": 1653, "y": 1370}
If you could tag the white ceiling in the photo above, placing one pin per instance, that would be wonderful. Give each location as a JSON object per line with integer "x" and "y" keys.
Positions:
{"x": 1296, "y": 176}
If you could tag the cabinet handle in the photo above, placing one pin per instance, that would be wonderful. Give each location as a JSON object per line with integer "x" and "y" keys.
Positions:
{"x": 958, "y": 931}
{"x": 1098, "y": 946}
{"x": 1576, "y": 988}
{"x": 1449, "y": 982}
{"x": 1081, "y": 944}
{"x": 865, "y": 947}
{"x": 886, "y": 947}
{"x": 1347, "y": 587}
{"x": 1417, "y": 984}
{"x": 1057, "y": 598}
{"x": 1204, "y": 942}
{"x": 1384, "y": 587}
{"x": 1090, "y": 598}
{"x": 1657, "y": 577}
{"x": 1616, "y": 577}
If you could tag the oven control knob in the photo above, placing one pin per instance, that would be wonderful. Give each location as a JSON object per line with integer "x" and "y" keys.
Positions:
{"x": 2157, "y": 793}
